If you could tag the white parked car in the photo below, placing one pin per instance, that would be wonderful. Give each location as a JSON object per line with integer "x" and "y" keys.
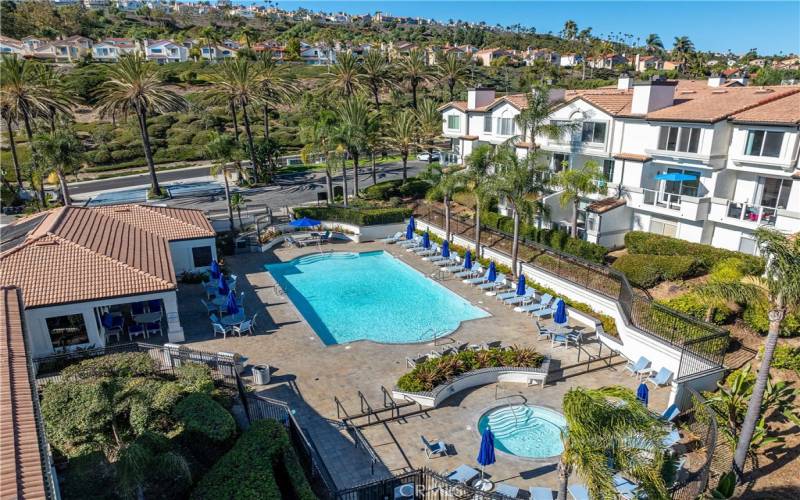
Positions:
{"x": 433, "y": 157}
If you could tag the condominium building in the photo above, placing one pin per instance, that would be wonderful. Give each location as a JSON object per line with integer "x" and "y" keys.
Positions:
{"x": 705, "y": 161}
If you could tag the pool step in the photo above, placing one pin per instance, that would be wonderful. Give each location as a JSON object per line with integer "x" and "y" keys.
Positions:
{"x": 310, "y": 259}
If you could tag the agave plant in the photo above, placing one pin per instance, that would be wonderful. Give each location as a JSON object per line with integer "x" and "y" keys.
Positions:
{"x": 526, "y": 356}
{"x": 484, "y": 359}
{"x": 427, "y": 375}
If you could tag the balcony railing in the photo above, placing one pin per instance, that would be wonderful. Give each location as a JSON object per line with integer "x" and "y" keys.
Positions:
{"x": 752, "y": 213}
{"x": 655, "y": 198}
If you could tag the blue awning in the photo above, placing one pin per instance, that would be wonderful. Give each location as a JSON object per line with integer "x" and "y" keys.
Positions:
{"x": 676, "y": 176}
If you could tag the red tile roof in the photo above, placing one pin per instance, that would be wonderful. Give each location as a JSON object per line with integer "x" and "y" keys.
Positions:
{"x": 632, "y": 157}
{"x": 604, "y": 205}
{"x": 714, "y": 104}
{"x": 21, "y": 460}
{"x": 783, "y": 111}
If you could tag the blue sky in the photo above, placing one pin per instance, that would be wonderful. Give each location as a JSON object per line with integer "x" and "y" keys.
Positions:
{"x": 770, "y": 26}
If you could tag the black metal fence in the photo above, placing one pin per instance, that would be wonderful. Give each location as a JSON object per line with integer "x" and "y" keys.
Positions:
{"x": 422, "y": 484}
{"x": 702, "y": 345}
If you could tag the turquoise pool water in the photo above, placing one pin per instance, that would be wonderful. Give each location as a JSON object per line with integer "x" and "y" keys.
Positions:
{"x": 525, "y": 431}
{"x": 370, "y": 296}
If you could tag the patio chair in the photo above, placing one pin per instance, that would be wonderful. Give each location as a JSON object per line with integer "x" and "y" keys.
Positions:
{"x": 547, "y": 311}
{"x": 137, "y": 308}
{"x": 670, "y": 413}
{"x": 154, "y": 306}
{"x": 136, "y": 330}
{"x": 219, "y": 329}
{"x": 661, "y": 378}
{"x": 326, "y": 237}
{"x": 434, "y": 449}
{"x": 153, "y": 328}
{"x": 506, "y": 295}
{"x": 389, "y": 240}
{"x": 507, "y": 490}
{"x": 540, "y": 493}
{"x": 113, "y": 333}
{"x": 243, "y": 327}
{"x": 413, "y": 362}
{"x": 520, "y": 299}
{"x": 543, "y": 331}
{"x": 578, "y": 492}
{"x": 254, "y": 322}
{"x": 641, "y": 366}
{"x": 214, "y": 318}
{"x": 462, "y": 273}
{"x": 477, "y": 280}
{"x": 544, "y": 301}
{"x": 494, "y": 344}
{"x": 461, "y": 347}
{"x": 558, "y": 338}
{"x": 424, "y": 252}
{"x": 210, "y": 308}
{"x": 499, "y": 281}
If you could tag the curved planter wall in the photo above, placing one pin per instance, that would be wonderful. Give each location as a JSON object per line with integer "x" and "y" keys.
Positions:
{"x": 475, "y": 378}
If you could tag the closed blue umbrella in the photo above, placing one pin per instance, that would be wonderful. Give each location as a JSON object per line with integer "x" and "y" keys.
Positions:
{"x": 231, "y": 307}
{"x": 214, "y": 269}
{"x": 560, "y": 317}
{"x": 222, "y": 285}
{"x": 409, "y": 231}
{"x": 446, "y": 249}
{"x": 426, "y": 240}
{"x": 521, "y": 285}
{"x": 305, "y": 222}
{"x": 492, "y": 272}
{"x": 486, "y": 451}
{"x": 412, "y": 223}
{"x": 643, "y": 393}
{"x": 468, "y": 260}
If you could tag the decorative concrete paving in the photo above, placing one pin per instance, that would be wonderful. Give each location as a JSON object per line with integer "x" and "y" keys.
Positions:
{"x": 307, "y": 374}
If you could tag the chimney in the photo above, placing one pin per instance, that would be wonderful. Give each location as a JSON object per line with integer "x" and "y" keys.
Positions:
{"x": 743, "y": 78}
{"x": 716, "y": 80}
{"x": 652, "y": 95}
{"x": 479, "y": 96}
{"x": 625, "y": 82}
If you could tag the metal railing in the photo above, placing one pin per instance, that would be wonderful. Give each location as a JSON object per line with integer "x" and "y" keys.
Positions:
{"x": 661, "y": 199}
{"x": 752, "y": 213}
{"x": 424, "y": 483}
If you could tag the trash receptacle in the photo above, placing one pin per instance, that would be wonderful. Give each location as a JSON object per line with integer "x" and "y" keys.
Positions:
{"x": 261, "y": 374}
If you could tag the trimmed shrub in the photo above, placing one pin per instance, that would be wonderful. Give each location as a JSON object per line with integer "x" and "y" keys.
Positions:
{"x": 195, "y": 377}
{"x": 249, "y": 469}
{"x": 785, "y": 357}
{"x": 647, "y": 271}
{"x": 125, "y": 364}
{"x": 755, "y": 316}
{"x": 692, "y": 305}
{"x": 639, "y": 242}
{"x": 414, "y": 188}
{"x": 382, "y": 190}
{"x": 360, "y": 217}
{"x": 204, "y": 417}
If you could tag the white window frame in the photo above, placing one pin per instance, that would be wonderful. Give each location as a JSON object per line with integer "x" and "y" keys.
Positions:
{"x": 763, "y": 142}
{"x": 678, "y": 138}
{"x": 594, "y": 124}
{"x": 457, "y": 120}
{"x": 487, "y": 124}
{"x": 501, "y": 129}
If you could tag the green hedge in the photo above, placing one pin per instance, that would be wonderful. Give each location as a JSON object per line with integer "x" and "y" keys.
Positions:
{"x": 639, "y": 242}
{"x": 647, "y": 271}
{"x": 786, "y": 357}
{"x": 692, "y": 305}
{"x": 249, "y": 469}
{"x": 755, "y": 316}
{"x": 359, "y": 217}
{"x": 204, "y": 417}
{"x": 553, "y": 238}
{"x": 413, "y": 188}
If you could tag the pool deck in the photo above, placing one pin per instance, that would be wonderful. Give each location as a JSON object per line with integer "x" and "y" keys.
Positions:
{"x": 307, "y": 374}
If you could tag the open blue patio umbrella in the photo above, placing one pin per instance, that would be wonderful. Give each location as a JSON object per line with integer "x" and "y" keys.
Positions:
{"x": 426, "y": 240}
{"x": 412, "y": 224}
{"x": 231, "y": 307}
{"x": 643, "y": 393}
{"x": 676, "y": 177}
{"x": 446, "y": 249}
{"x": 492, "y": 272}
{"x": 521, "y": 285}
{"x": 486, "y": 451}
{"x": 305, "y": 222}
{"x": 222, "y": 285}
{"x": 560, "y": 317}
{"x": 468, "y": 260}
{"x": 214, "y": 269}
{"x": 409, "y": 231}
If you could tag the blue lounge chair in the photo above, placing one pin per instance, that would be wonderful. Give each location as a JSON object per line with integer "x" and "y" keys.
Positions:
{"x": 558, "y": 338}
{"x": 446, "y": 262}
{"x": 661, "y": 378}
{"x": 506, "y": 490}
{"x": 521, "y": 299}
{"x": 499, "y": 281}
{"x": 423, "y": 252}
{"x": 435, "y": 449}
{"x": 416, "y": 240}
{"x": 544, "y": 301}
{"x": 506, "y": 295}
{"x": 578, "y": 492}
{"x": 539, "y": 493}
{"x": 475, "y": 270}
{"x": 463, "y": 474}
{"x": 641, "y": 366}
{"x": 478, "y": 280}
{"x": 670, "y": 413}
{"x": 546, "y": 311}
{"x": 417, "y": 246}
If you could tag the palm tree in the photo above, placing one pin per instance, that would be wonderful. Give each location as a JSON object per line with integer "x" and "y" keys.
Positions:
{"x": 344, "y": 74}
{"x": 224, "y": 150}
{"x": 133, "y": 84}
{"x": 247, "y": 34}
{"x": 478, "y": 163}
{"x": 519, "y": 181}
{"x": 402, "y": 134}
{"x": 429, "y": 123}
{"x": 653, "y": 44}
{"x": 238, "y": 80}
{"x": 414, "y": 69}
{"x": 446, "y": 183}
{"x": 585, "y": 39}
{"x": 62, "y": 151}
{"x": 238, "y": 202}
{"x": 451, "y": 70}
{"x": 209, "y": 36}
{"x": 375, "y": 73}
{"x": 9, "y": 117}
{"x": 52, "y": 84}
{"x": 577, "y": 183}
{"x": 602, "y": 433}
{"x": 356, "y": 118}
{"x": 570, "y": 30}
{"x": 276, "y": 86}
{"x": 534, "y": 120}
{"x": 681, "y": 49}
{"x": 319, "y": 137}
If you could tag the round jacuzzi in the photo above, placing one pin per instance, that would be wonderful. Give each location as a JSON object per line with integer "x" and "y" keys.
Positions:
{"x": 525, "y": 431}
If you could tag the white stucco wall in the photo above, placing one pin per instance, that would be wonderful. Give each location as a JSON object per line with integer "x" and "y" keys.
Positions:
{"x": 182, "y": 253}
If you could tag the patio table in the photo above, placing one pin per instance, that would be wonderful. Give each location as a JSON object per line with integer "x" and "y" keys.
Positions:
{"x": 147, "y": 317}
{"x": 232, "y": 320}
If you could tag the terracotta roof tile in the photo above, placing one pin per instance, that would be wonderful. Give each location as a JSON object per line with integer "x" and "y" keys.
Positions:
{"x": 21, "y": 459}
{"x": 604, "y": 205}
{"x": 459, "y": 105}
{"x": 632, "y": 157}
{"x": 783, "y": 111}
{"x": 715, "y": 104}
{"x": 170, "y": 223}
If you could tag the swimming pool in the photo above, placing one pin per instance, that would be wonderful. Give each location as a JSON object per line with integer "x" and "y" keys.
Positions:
{"x": 370, "y": 296}
{"x": 525, "y": 431}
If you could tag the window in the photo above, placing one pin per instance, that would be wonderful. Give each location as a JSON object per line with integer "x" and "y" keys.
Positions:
{"x": 663, "y": 228}
{"x": 608, "y": 170}
{"x": 685, "y": 188}
{"x": 201, "y": 256}
{"x": 453, "y": 122}
{"x": 763, "y": 143}
{"x": 155, "y": 51}
{"x": 747, "y": 245}
{"x": 487, "y": 124}
{"x": 774, "y": 193}
{"x": 593, "y": 132}
{"x": 67, "y": 330}
{"x": 560, "y": 162}
{"x": 505, "y": 126}
{"x": 683, "y": 139}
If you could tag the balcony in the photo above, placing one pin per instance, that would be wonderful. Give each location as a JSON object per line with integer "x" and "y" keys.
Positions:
{"x": 751, "y": 216}
{"x": 675, "y": 205}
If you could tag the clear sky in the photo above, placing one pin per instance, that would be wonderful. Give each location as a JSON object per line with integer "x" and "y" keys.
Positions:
{"x": 771, "y": 26}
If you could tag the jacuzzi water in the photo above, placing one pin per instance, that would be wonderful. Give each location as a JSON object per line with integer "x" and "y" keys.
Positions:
{"x": 525, "y": 431}
{"x": 370, "y": 296}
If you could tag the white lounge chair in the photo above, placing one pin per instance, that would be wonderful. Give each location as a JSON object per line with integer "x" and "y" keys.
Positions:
{"x": 446, "y": 262}
{"x": 641, "y": 366}
{"x": 389, "y": 240}
{"x": 546, "y": 311}
{"x": 521, "y": 299}
{"x": 478, "y": 280}
{"x": 432, "y": 250}
{"x": 543, "y": 303}
{"x": 434, "y": 449}
{"x": 500, "y": 280}
{"x": 578, "y": 492}
{"x": 540, "y": 493}
{"x": 507, "y": 490}
{"x": 416, "y": 240}
{"x": 475, "y": 270}
{"x": 506, "y": 295}
{"x": 661, "y": 378}
{"x": 463, "y": 474}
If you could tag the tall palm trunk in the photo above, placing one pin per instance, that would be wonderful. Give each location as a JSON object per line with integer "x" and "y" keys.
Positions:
{"x": 148, "y": 153}
{"x": 62, "y": 180}
{"x": 754, "y": 405}
{"x": 355, "y": 173}
{"x": 235, "y": 122}
{"x": 575, "y": 205}
{"x": 374, "y": 168}
{"x": 404, "y": 156}
{"x": 452, "y": 85}
{"x": 563, "y": 477}
{"x": 515, "y": 243}
{"x": 447, "y": 217}
{"x": 344, "y": 179}
{"x": 414, "y": 95}
{"x": 477, "y": 228}
{"x": 228, "y": 197}
{"x": 375, "y": 94}
{"x": 29, "y": 132}
{"x": 14, "y": 159}
{"x": 266, "y": 121}
{"x": 249, "y": 133}
{"x": 329, "y": 182}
